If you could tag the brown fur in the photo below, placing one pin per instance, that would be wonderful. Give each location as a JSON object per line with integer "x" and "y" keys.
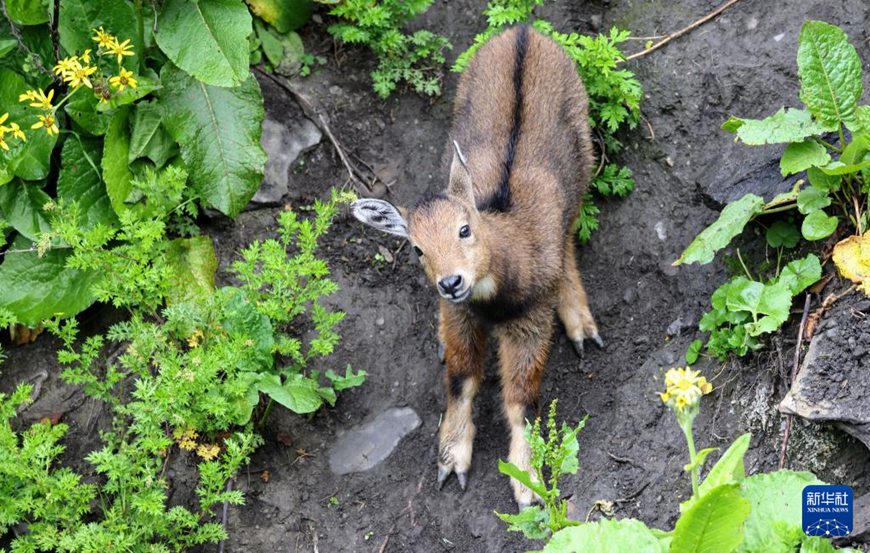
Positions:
{"x": 520, "y": 121}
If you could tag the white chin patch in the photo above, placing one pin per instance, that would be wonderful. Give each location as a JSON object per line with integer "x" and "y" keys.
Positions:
{"x": 483, "y": 289}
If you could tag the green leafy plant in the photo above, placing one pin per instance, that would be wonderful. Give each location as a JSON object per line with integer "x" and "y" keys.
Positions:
{"x": 414, "y": 59}
{"x": 190, "y": 367}
{"x": 835, "y": 196}
{"x": 553, "y": 456}
{"x": 614, "y": 94}
{"x": 728, "y": 512}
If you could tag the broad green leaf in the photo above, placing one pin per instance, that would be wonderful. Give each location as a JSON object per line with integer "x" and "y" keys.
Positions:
{"x": 81, "y": 181}
{"x": 774, "y": 304}
{"x": 818, "y": 225}
{"x": 7, "y": 45}
{"x": 729, "y": 468}
{"x": 855, "y": 151}
{"x": 744, "y": 295}
{"x": 36, "y": 288}
{"x": 730, "y": 223}
{"x": 299, "y": 394}
{"x": 786, "y": 125}
{"x": 821, "y": 180}
{"x": 193, "y": 264}
{"x": 861, "y": 123}
{"x": 206, "y": 38}
{"x": 839, "y": 168}
{"x": 800, "y": 156}
{"x": 830, "y": 73}
{"x": 522, "y": 477}
{"x": 713, "y": 524}
{"x": 78, "y": 19}
{"x": 775, "y": 498}
{"x": 531, "y": 521}
{"x": 82, "y": 108}
{"x": 801, "y": 273}
{"x": 700, "y": 458}
{"x": 852, "y": 258}
{"x": 782, "y": 234}
{"x": 812, "y": 199}
{"x": 607, "y": 536}
{"x": 349, "y": 380}
{"x": 22, "y": 203}
{"x": 28, "y": 12}
{"x": 271, "y": 43}
{"x": 29, "y": 160}
{"x": 241, "y": 320}
{"x": 149, "y": 139}
{"x": 116, "y": 151}
{"x": 218, "y": 130}
{"x": 284, "y": 15}
{"x": 146, "y": 85}
{"x": 693, "y": 352}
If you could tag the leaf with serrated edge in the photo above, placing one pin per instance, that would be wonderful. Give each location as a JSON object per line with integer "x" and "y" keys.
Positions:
{"x": 206, "y": 38}
{"x": 713, "y": 524}
{"x": 607, "y": 536}
{"x": 218, "y": 131}
{"x": 785, "y": 126}
{"x": 800, "y": 156}
{"x": 830, "y": 72}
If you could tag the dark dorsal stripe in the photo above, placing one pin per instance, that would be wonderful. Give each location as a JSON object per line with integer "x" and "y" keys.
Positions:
{"x": 501, "y": 200}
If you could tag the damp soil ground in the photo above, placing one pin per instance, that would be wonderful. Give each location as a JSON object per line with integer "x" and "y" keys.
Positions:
{"x": 631, "y": 452}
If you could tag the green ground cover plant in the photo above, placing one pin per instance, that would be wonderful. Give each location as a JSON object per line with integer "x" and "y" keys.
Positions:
{"x": 184, "y": 375}
{"x": 614, "y": 94}
{"x": 414, "y": 59}
{"x": 728, "y": 511}
{"x": 96, "y": 103}
{"x": 829, "y": 143}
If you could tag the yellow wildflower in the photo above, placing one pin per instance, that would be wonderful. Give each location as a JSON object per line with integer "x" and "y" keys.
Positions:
{"x": 684, "y": 387}
{"x": 187, "y": 439}
{"x": 66, "y": 66}
{"x": 48, "y": 123}
{"x": 194, "y": 339}
{"x": 16, "y": 132}
{"x": 102, "y": 38}
{"x": 120, "y": 49}
{"x": 41, "y": 100}
{"x": 86, "y": 56}
{"x": 81, "y": 76}
{"x": 3, "y": 144}
{"x": 123, "y": 80}
{"x": 208, "y": 451}
{"x": 28, "y": 96}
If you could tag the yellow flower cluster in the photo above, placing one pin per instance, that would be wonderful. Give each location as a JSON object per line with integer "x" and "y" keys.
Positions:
{"x": 683, "y": 388}
{"x": 187, "y": 441}
{"x": 77, "y": 72}
{"x": 39, "y": 99}
{"x": 12, "y": 129}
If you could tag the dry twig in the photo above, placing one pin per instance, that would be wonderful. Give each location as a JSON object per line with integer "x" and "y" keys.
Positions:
{"x": 683, "y": 31}
{"x": 363, "y": 181}
{"x": 794, "y": 372}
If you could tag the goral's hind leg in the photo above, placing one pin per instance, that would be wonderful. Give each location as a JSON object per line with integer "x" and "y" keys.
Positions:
{"x": 574, "y": 305}
{"x": 464, "y": 341}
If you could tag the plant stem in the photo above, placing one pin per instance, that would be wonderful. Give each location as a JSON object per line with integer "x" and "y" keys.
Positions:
{"x": 779, "y": 208}
{"x": 742, "y": 264}
{"x": 140, "y": 29}
{"x": 690, "y": 442}
{"x": 266, "y": 413}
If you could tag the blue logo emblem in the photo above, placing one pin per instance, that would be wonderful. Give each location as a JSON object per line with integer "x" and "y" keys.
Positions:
{"x": 827, "y": 511}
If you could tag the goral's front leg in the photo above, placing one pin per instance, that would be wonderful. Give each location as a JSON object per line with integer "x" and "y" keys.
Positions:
{"x": 464, "y": 350}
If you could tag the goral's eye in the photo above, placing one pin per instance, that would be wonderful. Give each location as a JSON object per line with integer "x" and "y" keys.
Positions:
{"x": 464, "y": 231}
{"x": 418, "y": 251}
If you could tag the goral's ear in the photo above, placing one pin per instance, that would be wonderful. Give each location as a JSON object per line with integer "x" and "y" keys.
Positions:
{"x": 381, "y": 215}
{"x": 460, "y": 185}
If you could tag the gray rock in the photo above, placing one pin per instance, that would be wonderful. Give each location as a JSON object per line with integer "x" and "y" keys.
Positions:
{"x": 367, "y": 444}
{"x": 744, "y": 173}
{"x": 832, "y": 385}
{"x": 283, "y": 143}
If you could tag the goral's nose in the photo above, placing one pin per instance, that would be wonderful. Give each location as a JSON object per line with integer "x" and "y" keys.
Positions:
{"x": 450, "y": 284}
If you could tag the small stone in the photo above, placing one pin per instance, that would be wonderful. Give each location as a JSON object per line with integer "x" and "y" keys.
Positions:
{"x": 595, "y": 22}
{"x": 779, "y": 37}
{"x": 752, "y": 23}
{"x": 335, "y": 90}
{"x": 669, "y": 357}
{"x": 368, "y": 444}
{"x": 283, "y": 144}
{"x": 661, "y": 231}
{"x": 630, "y": 295}
{"x": 379, "y": 321}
